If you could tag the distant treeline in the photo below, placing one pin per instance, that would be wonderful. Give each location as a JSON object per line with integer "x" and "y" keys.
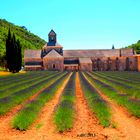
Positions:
{"x": 136, "y": 47}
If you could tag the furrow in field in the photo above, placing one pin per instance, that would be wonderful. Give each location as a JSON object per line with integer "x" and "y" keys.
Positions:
{"x": 133, "y": 106}
{"x": 123, "y": 88}
{"x": 120, "y": 82}
{"x": 5, "y": 125}
{"x": 18, "y": 97}
{"x": 119, "y": 78}
{"x": 130, "y": 78}
{"x": 47, "y": 130}
{"x": 21, "y": 86}
{"x": 15, "y": 78}
{"x": 34, "y": 106}
{"x": 9, "y": 86}
{"x": 86, "y": 125}
{"x": 128, "y": 127}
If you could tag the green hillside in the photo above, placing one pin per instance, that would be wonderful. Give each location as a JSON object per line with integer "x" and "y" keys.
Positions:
{"x": 136, "y": 46}
{"x": 28, "y": 40}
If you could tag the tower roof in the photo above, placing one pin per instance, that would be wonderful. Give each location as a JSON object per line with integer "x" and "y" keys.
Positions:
{"x": 52, "y": 32}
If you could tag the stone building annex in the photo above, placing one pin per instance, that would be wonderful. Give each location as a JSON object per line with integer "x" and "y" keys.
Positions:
{"x": 53, "y": 57}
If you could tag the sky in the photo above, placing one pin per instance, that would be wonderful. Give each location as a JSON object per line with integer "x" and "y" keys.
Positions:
{"x": 79, "y": 24}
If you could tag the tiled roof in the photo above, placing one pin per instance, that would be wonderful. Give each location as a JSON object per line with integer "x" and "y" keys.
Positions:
{"x": 91, "y": 53}
{"x": 29, "y": 66}
{"x": 81, "y": 53}
{"x": 53, "y": 54}
{"x": 32, "y": 54}
{"x": 85, "y": 60}
{"x": 127, "y": 52}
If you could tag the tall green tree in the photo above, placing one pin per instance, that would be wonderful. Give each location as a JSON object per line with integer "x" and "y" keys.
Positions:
{"x": 8, "y": 50}
{"x": 13, "y": 53}
{"x": 19, "y": 55}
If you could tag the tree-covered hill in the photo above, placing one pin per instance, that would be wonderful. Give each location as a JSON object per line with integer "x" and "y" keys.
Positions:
{"x": 27, "y": 39}
{"x": 136, "y": 46}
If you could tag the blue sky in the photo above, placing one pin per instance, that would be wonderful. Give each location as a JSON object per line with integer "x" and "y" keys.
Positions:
{"x": 79, "y": 24}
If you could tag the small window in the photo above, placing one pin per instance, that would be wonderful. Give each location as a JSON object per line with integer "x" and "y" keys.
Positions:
{"x": 53, "y": 66}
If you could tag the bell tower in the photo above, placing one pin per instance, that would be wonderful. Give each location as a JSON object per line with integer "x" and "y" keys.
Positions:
{"x": 52, "y": 45}
{"x": 52, "y": 38}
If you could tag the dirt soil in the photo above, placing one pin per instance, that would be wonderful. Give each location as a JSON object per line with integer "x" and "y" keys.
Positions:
{"x": 42, "y": 129}
{"x": 3, "y": 73}
{"x": 126, "y": 124}
{"x": 86, "y": 125}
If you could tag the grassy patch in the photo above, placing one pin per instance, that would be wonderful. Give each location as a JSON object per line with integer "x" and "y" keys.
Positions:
{"x": 65, "y": 112}
{"x": 38, "y": 126}
{"x": 114, "y": 125}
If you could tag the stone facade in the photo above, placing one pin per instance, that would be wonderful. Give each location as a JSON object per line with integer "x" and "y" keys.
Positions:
{"x": 53, "y": 57}
{"x": 53, "y": 61}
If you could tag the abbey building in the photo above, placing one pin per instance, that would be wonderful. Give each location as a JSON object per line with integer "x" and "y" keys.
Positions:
{"x": 53, "y": 57}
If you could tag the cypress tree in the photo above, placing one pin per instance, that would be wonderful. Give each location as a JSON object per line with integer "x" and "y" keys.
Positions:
{"x": 19, "y": 56}
{"x": 8, "y": 50}
{"x": 113, "y": 47}
{"x": 13, "y": 53}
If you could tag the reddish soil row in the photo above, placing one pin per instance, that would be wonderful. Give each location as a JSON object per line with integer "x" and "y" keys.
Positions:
{"x": 46, "y": 126}
{"x": 127, "y": 125}
{"x": 86, "y": 125}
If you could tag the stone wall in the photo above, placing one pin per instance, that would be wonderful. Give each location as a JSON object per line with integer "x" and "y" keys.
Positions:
{"x": 123, "y": 63}
{"x": 138, "y": 62}
{"x": 32, "y": 60}
{"x": 33, "y": 68}
{"x": 53, "y": 63}
{"x": 28, "y": 63}
{"x": 85, "y": 67}
{"x": 74, "y": 67}
{"x": 115, "y": 63}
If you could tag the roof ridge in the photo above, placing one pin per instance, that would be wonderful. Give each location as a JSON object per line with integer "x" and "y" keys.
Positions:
{"x": 92, "y": 50}
{"x": 53, "y": 53}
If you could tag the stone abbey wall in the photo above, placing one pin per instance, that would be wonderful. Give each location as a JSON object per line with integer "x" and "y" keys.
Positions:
{"x": 53, "y": 57}
{"x": 123, "y": 63}
{"x": 53, "y": 64}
